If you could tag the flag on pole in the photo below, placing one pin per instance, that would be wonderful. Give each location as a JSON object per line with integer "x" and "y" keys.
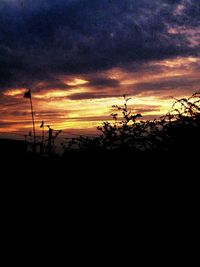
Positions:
{"x": 27, "y": 94}
{"x": 42, "y": 124}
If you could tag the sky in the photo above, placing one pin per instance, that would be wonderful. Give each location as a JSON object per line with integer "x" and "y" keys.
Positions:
{"x": 79, "y": 57}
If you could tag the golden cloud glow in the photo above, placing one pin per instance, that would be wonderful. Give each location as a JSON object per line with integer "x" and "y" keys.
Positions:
{"x": 76, "y": 82}
{"x": 14, "y": 92}
{"x": 58, "y": 109}
{"x": 49, "y": 94}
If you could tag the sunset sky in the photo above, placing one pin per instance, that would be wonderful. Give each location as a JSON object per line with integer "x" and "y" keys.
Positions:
{"x": 79, "y": 57}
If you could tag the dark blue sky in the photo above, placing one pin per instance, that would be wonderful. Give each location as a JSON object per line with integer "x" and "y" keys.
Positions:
{"x": 42, "y": 39}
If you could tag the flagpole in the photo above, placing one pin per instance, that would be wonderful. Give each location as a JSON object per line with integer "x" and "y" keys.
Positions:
{"x": 43, "y": 134}
{"x": 42, "y": 126}
{"x": 33, "y": 121}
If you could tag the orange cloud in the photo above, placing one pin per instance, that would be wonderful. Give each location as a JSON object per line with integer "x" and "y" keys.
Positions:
{"x": 14, "y": 92}
{"x": 76, "y": 82}
{"x": 149, "y": 88}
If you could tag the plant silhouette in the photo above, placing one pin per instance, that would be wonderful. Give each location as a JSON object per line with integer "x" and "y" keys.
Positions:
{"x": 177, "y": 131}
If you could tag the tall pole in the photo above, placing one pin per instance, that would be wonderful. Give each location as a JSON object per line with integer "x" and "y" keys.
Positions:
{"x": 42, "y": 147}
{"x": 43, "y": 134}
{"x": 34, "y": 140}
{"x": 50, "y": 142}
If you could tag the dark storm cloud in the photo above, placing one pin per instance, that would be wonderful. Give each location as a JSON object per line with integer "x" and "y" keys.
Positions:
{"x": 103, "y": 83}
{"x": 146, "y": 109}
{"x": 167, "y": 84}
{"x": 92, "y": 95}
{"x": 40, "y": 40}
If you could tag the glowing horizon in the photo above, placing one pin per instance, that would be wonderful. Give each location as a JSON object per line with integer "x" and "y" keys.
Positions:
{"x": 56, "y": 108}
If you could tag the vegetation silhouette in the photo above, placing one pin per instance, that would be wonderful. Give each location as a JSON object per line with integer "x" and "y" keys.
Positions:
{"x": 164, "y": 147}
{"x": 177, "y": 132}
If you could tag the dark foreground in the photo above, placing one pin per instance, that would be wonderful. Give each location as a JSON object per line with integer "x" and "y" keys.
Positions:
{"x": 103, "y": 165}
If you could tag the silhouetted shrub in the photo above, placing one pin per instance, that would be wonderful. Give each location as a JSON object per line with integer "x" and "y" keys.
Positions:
{"x": 177, "y": 131}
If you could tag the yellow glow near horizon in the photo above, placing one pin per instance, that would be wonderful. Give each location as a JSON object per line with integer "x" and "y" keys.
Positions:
{"x": 75, "y": 114}
{"x": 102, "y": 107}
{"x": 60, "y": 110}
{"x": 58, "y": 93}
